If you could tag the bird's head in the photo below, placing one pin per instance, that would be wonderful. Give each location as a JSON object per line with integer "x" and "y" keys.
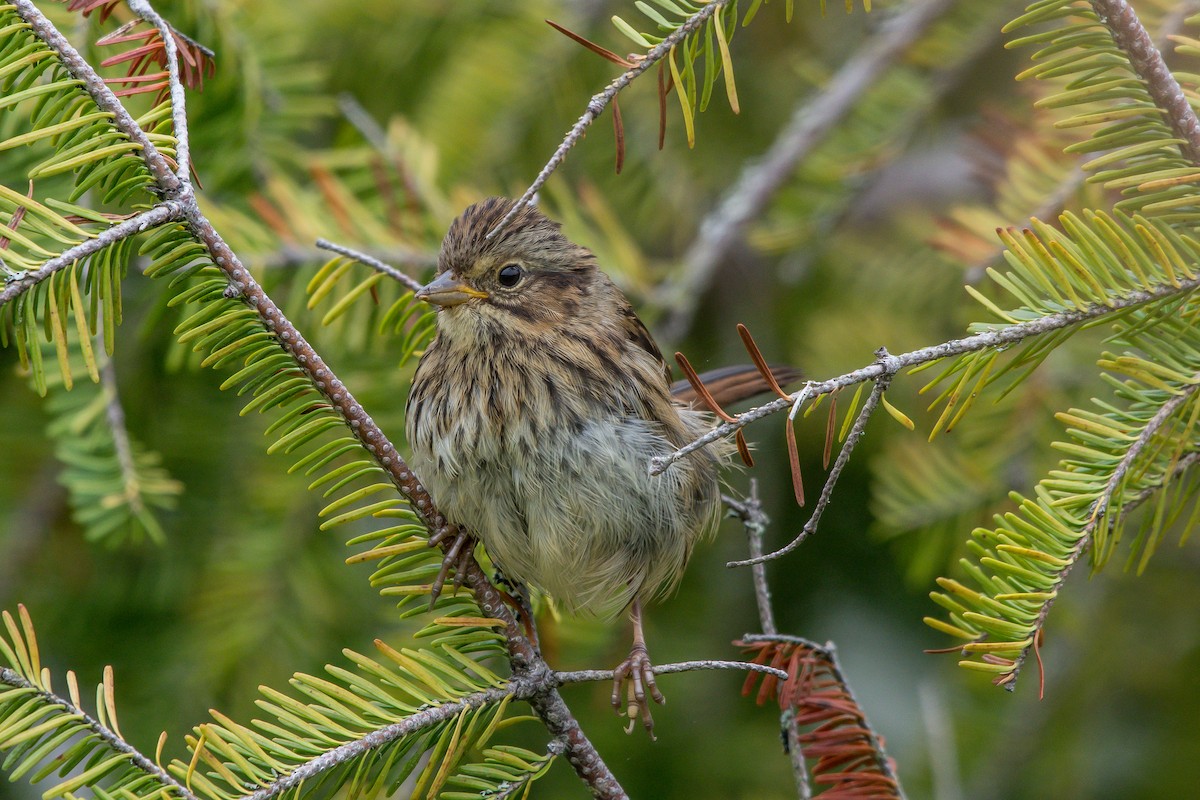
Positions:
{"x": 527, "y": 274}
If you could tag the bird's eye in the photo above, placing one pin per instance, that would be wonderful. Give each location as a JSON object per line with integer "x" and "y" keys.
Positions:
{"x": 509, "y": 275}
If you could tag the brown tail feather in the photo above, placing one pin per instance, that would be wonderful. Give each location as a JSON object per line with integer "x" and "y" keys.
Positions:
{"x": 731, "y": 384}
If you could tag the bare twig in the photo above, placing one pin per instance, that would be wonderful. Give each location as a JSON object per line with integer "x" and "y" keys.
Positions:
{"x": 594, "y": 675}
{"x": 891, "y": 367}
{"x": 419, "y": 259}
{"x": 758, "y": 183}
{"x": 755, "y": 522}
{"x": 111, "y": 738}
{"x": 994, "y": 339}
{"x": 601, "y": 100}
{"x": 750, "y": 512}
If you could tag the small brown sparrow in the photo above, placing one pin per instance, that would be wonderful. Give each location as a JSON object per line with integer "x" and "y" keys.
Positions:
{"x": 533, "y": 417}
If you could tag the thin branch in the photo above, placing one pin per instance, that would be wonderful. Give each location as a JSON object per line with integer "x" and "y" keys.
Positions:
{"x": 179, "y": 121}
{"x": 1097, "y": 514}
{"x": 755, "y": 521}
{"x": 601, "y": 100}
{"x": 362, "y": 121}
{"x": 1132, "y": 37}
{"x": 810, "y": 124}
{"x": 852, "y": 439}
{"x": 593, "y": 675}
{"x": 993, "y": 339}
{"x": 159, "y": 214}
{"x": 379, "y": 738}
{"x": 111, "y": 738}
{"x": 380, "y": 266}
{"x": 524, "y": 658}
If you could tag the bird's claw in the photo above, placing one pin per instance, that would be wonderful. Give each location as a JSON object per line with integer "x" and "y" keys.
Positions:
{"x": 636, "y": 674}
{"x": 456, "y": 557}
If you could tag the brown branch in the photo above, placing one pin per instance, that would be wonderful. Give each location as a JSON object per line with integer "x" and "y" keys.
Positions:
{"x": 526, "y": 661}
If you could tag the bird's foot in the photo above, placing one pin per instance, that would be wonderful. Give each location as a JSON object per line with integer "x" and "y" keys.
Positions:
{"x": 635, "y": 675}
{"x": 456, "y": 557}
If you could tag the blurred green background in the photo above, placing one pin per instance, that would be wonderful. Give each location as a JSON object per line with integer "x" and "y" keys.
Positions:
{"x": 474, "y": 96}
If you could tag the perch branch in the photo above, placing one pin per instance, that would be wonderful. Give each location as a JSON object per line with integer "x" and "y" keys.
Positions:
{"x": 524, "y": 657}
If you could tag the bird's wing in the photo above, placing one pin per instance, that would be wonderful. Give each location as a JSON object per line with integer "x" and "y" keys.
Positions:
{"x": 635, "y": 331}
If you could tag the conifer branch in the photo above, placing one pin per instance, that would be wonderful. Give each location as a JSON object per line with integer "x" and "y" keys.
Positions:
{"x": 380, "y": 737}
{"x": 988, "y": 340}
{"x": 178, "y": 102}
{"x": 1134, "y": 40}
{"x": 102, "y": 95}
{"x": 163, "y": 212}
{"x": 601, "y": 100}
{"x": 1098, "y": 512}
{"x": 112, "y": 740}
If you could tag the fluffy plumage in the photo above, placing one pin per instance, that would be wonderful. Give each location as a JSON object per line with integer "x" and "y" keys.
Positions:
{"x": 535, "y": 411}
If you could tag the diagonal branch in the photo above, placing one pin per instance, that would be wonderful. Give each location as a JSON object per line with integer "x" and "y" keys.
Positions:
{"x": 524, "y": 657}
{"x": 601, "y": 100}
{"x": 891, "y": 367}
{"x": 111, "y": 738}
{"x": 1098, "y": 513}
{"x": 1133, "y": 38}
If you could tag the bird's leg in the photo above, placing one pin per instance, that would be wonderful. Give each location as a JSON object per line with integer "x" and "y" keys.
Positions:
{"x": 462, "y": 544}
{"x": 636, "y": 673}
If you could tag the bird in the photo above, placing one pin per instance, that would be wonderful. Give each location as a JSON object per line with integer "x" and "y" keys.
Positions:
{"x": 532, "y": 419}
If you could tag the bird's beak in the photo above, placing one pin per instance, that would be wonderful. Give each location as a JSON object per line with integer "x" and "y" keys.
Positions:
{"x": 446, "y": 290}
